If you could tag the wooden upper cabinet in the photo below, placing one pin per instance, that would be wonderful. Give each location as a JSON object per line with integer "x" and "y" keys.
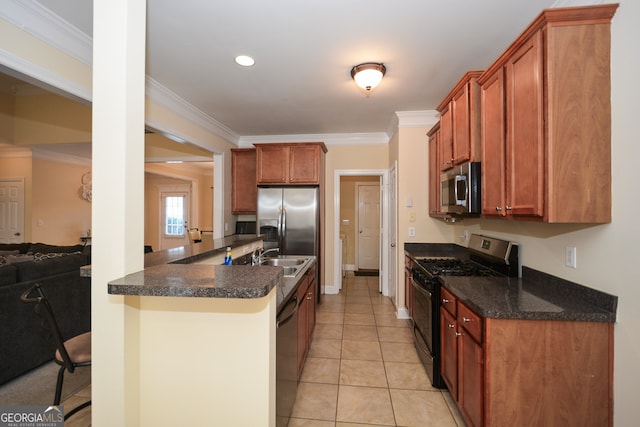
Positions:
{"x": 555, "y": 120}
{"x": 434, "y": 170}
{"x": 290, "y": 163}
{"x": 459, "y": 122}
{"x": 244, "y": 191}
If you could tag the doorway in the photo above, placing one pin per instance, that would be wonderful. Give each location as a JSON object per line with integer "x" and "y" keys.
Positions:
{"x": 342, "y": 235}
{"x": 174, "y": 216}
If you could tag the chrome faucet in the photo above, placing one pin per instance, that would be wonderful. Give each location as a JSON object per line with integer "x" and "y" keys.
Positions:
{"x": 258, "y": 255}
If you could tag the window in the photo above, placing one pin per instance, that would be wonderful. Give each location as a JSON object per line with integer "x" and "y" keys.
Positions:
{"x": 174, "y": 215}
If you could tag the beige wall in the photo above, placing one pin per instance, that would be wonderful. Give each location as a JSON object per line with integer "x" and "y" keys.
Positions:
{"x": 45, "y": 118}
{"x": 359, "y": 157}
{"x": 6, "y": 117}
{"x": 59, "y": 215}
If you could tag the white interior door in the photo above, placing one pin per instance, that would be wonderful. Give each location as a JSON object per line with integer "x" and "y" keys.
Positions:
{"x": 368, "y": 249}
{"x": 12, "y": 210}
{"x": 393, "y": 238}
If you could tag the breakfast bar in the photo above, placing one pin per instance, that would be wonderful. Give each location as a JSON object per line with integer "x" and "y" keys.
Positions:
{"x": 206, "y": 335}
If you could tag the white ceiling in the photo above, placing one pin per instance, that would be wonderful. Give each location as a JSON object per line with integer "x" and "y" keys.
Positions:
{"x": 304, "y": 51}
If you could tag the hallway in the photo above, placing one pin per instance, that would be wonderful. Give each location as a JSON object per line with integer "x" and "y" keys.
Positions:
{"x": 362, "y": 368}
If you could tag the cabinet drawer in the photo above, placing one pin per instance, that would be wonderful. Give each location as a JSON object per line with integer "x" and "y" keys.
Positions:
{"x": 470, "y": 321}
{"x": 448, "y": 301}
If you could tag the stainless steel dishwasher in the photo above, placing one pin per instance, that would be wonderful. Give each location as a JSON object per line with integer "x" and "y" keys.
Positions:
{"x": 286, "y": 360}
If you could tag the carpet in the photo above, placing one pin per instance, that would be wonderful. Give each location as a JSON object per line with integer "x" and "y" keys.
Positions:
{"x": 38, "y": 386}
{"x": 366, "y": 273}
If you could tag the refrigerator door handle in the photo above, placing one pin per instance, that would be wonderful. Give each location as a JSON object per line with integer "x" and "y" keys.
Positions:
{"x": 280, "y": 228}
{"x": 284, "y": 230}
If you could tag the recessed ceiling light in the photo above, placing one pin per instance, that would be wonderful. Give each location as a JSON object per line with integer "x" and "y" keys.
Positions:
{"x": 245, "y": 61}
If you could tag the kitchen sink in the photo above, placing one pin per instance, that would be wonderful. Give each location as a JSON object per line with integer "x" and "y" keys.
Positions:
{"x": 284, "y": 261}
{"x": 292, "y": 265}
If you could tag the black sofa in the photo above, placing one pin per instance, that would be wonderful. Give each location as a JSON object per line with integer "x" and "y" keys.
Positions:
{"x": 25, "y": 344}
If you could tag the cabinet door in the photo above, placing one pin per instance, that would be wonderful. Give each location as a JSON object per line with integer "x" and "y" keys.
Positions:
{"x": 272, "y": 162}
{"x": 449, "y": 357}
{"x": 446, "y": 139}
{"x": 312, "y": 297}
{"x": 525, "y": 129}
{"x": 243, "y": 181}
{"x": 493, "y": 149}
{"x": 303, "y": 321}
{"x": 460, "y": 107}
{"x": 434, "y": 174}
{"x": 304, "y": 162}
{"x": 470, "y": 379}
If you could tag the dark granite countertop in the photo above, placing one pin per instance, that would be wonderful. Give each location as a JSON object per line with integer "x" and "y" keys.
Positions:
{"x": 171, "y": 272}
{"x": 534, "y": 296}
{"x": 198, "y": 251}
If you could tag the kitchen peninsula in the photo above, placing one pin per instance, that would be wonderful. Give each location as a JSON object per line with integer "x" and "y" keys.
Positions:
{"x": 206, "y": 335}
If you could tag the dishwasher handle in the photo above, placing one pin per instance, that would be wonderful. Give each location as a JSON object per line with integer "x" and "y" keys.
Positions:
{"x": 282, "y": 320}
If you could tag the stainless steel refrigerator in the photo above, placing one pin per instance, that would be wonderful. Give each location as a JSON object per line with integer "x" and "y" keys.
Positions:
{"x": 289, "y": 219}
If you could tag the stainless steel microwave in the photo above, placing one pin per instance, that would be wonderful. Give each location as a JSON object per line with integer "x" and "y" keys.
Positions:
{"x": 460, "y": 189}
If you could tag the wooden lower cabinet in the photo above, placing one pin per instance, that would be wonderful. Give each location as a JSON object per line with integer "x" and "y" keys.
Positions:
{"x": 307, "y": 295}
{"x": 550, "y": 373}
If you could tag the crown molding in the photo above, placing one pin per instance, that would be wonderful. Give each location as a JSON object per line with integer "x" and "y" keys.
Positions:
{"x": 373, "y": 138}
{"x": 168, "y": 99}
{"x": 43, "y": 154}
{"x": 35, "y": 19}
{"x": 415, "y": 119}
{"x": 7, "y": 151}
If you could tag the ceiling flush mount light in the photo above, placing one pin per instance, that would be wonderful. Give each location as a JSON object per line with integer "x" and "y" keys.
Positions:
{"x": 245, "y": 61}
{"x": 368, "y": 75}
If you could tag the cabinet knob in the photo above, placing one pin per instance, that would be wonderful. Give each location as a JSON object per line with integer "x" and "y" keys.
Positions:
{"x": 508, "y": 207}
{"x": 450, "y": 325}
{"x": 458, "y": 334}
{"x": 498, "y": 208}
{"x": 466, "y": 319}
{"x": 444, "y": 300}
{"x": 309, "y": 295}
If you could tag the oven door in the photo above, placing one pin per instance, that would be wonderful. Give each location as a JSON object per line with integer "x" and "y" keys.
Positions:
{"x": 423, "y": 327}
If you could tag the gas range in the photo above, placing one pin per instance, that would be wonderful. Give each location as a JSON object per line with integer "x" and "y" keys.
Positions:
{"x": 455, "y": 267}
{"x": 485, "y": 257}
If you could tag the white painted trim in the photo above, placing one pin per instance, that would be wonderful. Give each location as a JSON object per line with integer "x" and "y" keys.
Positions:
{"x": 403, "y": 313}
{"x": 166, "y": 98}
{"x": 39, "y": 153}
{"x": 32, "y": 17}
{"x": 218, "y": 196}
{"x": 329, "y": 139}
{"x": 384, "y": 225}
{"x": 11, "y": 151}
{"x": 19, "y": 67}
{"x": 413, "y": 119}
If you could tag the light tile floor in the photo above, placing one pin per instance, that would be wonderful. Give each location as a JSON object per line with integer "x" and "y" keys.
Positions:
{"x": 363, "y": 370}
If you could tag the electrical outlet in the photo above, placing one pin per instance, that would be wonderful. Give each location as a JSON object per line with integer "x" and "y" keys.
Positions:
{"x": 412, "y": 232}
{"x": 570, "y": 254}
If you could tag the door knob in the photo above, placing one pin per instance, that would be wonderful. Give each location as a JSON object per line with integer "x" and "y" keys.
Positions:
{"x": 393, "y": 245}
